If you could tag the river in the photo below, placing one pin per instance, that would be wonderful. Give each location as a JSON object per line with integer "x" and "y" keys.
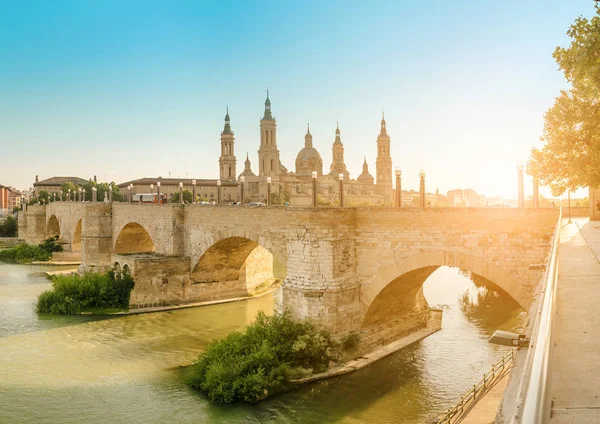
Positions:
{"x": 82, "y": 369}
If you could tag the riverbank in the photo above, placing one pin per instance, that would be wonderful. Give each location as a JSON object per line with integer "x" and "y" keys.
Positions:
{"x": 433, "y": 325}
{"x": 151, "y": 309}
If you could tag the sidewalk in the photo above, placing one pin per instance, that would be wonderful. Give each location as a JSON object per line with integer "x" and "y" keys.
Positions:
{"x": 574, "y": 373}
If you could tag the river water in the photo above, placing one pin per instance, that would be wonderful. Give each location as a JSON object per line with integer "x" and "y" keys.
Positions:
{"x": 80, "y": 369}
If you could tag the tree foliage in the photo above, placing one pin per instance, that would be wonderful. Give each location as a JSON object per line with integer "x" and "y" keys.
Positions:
{"x": 261, "y": 360}
{"x": 570, "y": 157}
{"x": 25, "y": 253}
{"x": 71, "y": 294}
{"x": 102, "y": 188}
{"x": 187, "y": 196}
{"x": 8, "y": 227}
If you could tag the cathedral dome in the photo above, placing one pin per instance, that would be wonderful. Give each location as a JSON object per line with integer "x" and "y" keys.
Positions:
{"x": 309, "y": 160}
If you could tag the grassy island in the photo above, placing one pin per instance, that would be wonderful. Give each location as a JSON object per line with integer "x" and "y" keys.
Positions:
{"x": 263, "y": 359}
{"x": 26, "y": 253}
{"x": 90, "y": 292}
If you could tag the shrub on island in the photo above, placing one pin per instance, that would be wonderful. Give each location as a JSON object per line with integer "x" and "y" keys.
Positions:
{"x": 73, "y": 294}
{"x": 25, "y": 253}
{"x": 262, "y": 359}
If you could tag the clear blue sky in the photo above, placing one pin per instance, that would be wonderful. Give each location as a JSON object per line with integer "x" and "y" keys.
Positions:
{"x": 131, "y": 89}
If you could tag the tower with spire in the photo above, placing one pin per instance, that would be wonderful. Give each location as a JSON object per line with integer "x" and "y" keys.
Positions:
{"x": 227, "y": 161}
{"x": 337, "y": 151}
{"x": 384, "y": 164}
{"x": 268, "y": 154}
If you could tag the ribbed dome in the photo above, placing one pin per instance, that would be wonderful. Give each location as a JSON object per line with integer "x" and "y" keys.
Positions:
{"x": 308, "y": 153}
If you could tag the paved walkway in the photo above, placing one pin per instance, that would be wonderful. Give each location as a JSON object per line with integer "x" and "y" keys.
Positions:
{"x": 575, "y": 366}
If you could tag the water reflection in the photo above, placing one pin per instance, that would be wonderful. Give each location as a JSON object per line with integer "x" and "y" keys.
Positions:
{"x": 71, "y": 369}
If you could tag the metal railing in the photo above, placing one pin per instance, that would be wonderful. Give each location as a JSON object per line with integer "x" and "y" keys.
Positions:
{"x": 532, "y": 404}
{"x": 455, "y": 413}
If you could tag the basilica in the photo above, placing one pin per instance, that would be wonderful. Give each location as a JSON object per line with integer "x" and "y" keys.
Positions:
{"x": 296, "y": 186}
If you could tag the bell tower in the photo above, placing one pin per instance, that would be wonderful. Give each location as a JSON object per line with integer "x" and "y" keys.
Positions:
{"x": 384, "y": 164}
{"x": 227, "y": 161}
{"x": 268, "y": 154}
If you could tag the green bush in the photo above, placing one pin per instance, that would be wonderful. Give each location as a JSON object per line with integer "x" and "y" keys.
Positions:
{"x": 72, "y": 294}
{"x": 8, "y": 227}
{"x": 261, "y": 360}
{"x": 25, "y": 253}
{"x": 351, "y": 342}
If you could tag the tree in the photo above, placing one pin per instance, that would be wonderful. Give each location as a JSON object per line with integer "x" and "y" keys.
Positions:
{"x": 102, "y": 188}
{"x": 64, "y": 190}
{"x": 570, "y": 157}
{"x": 187, "y": 197}
{"x": 42, "y": 196}
{"x": 280, "y": 197}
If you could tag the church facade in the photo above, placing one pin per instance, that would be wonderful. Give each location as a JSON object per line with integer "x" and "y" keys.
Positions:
{"x": 296, "y": 186}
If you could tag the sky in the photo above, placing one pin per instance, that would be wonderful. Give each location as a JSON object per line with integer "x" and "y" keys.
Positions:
{"x": 125, "y": 90}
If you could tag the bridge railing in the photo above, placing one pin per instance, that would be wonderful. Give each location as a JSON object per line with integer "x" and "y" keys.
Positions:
{"x": 532, "y": 404}
{"x": 455, "y": 414}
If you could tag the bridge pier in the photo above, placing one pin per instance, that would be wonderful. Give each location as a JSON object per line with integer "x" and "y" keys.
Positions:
{"x": 32, "y": 224}
{"x": 96, "y": 237}
{"x": 321, "y": 282}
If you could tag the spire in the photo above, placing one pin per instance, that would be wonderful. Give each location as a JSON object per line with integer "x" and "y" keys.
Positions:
{"x": 227, "y": 128}
{"x": 383, "y": 130}
{"x": 267, "y": 114}
{"x": 247, "y": 163}
{"x": 308, "y": 137}
{"x": 365, "y": 166}
{"x": 338, "y": 139}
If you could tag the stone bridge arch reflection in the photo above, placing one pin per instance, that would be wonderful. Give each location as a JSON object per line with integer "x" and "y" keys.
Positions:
{"x": 394, "y": 305}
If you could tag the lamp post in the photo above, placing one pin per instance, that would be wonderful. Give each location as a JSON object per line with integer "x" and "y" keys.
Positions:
{"x": 152, "y": 189}
{"x": 314, "y": 189}
{"x": 83, "y": 193}
{"x": 569, "y": 196}
{"x": 54, "y": 197}
{"x": 193, "y": 191}
{"x": 158, "y": 198}
{"x": 181, "y": 193}
{"x": 242, "y": 182}
{"x": 536, "y": 195}
{"x": 69, "y": 195}
{"x": 422, "y": 189}
{"x": 94, "y": 194}
{"x": 110, "y": 194}
{"x": 521, "y": 194}
{"x": 398, "y": 188}
{"x": 129, "y": 193}
{"x": 268, "y": 191}
{"x": 218, "y": 192}
{"x": 341, "y": 178}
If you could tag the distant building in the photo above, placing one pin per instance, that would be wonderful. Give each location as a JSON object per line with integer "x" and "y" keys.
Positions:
{"x": 465, "y": 198}
{"x": 54, "y": 184}
{"x": 205, "y": 188}
{"x": 10, "y": 199}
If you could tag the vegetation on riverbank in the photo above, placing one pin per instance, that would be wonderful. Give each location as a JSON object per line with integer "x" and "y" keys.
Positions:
{"x": 73, "y": 294}
{"x": 263, "y": 359}
{"x": 26, "y": 253}
{"x": 8, "y": 227}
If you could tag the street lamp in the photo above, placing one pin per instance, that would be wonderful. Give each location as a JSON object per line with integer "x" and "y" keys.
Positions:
{"x": 398, "y": 188}
{"x": 158, "y": 199}
{"x": 218, "y": 192}
{"x": 193, "y": 191}
{"x": 110, "y": 193}
{"x": 94, "y": 194}
{"x": 422, "y": 188}
{"x": 129, "y": 193}
{"x": 314, "y": 189}
{"x": 341, "y": 178}
{"x": 242, "y": 183}
{"x": 69, "y": 195}
{"x": 521, "y": 198}
{"x": 78, "y": 193}
{"x": 268, "y": 191}
{"x": 181, "y": 193}
{"x": 83, "y": 191}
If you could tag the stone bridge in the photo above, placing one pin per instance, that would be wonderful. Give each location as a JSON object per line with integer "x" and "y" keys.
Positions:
{"x": 348, "y": 269}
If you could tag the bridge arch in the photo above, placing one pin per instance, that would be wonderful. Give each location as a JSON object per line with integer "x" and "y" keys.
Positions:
{"x": 393, "y": 302}
{"x": 245, "y": 261}
{"x": 53, "y": 226}
{"x": 76, "y": 241}
{"x": 133, "y": 238}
